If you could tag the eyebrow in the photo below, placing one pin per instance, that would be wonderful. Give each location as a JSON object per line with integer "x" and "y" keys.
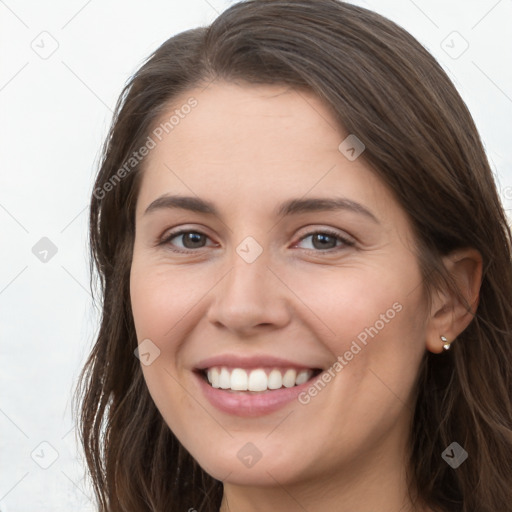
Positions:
{"x": 290, "y": 207}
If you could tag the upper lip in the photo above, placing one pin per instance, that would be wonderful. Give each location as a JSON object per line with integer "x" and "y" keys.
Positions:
{"x": 255, "y": 361}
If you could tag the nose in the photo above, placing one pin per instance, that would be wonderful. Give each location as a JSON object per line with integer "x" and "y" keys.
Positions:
{"x": 250, "y": 298}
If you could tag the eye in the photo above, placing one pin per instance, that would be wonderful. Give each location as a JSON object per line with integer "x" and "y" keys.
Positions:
{"x": 190, "y": 240}
{"x": 325, "y": 240}
{"x": 321, "y": 241}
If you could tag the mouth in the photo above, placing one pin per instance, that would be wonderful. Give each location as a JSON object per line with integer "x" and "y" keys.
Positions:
{"x": 256, "y": 380}
{"x": 253, "y": 385}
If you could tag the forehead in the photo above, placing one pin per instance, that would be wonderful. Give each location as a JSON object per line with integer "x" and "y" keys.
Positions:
{"x": 248, "y": 120}
{"x": 245, "y": 142}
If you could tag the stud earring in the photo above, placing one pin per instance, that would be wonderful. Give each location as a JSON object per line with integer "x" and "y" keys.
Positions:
{"x": 446, "y": 343}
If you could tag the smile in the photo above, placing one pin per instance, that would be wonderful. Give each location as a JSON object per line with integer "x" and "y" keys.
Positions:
{"x": 257, "y": 379}
{"x": 252, "y": 392}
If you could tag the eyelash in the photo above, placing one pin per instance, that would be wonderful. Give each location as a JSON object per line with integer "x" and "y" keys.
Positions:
{"x": 346, "y": 242}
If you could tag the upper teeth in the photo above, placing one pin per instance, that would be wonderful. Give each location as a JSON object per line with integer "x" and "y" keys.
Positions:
{"x": 239, "y": 379}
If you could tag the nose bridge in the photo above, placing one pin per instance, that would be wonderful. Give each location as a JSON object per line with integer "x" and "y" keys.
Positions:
{"x": 245, "y": 280}
{"x": 249, "y": 295}
{"x": 248, "y": 260}
{"x": 246, "y": 285}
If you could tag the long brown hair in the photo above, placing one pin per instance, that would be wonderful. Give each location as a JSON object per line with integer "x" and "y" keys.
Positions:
{"x": 420, "y": 139}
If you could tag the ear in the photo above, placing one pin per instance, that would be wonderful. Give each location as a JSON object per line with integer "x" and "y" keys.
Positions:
{"x": 449, "y": 315}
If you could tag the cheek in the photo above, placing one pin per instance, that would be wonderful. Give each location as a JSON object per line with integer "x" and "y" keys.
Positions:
{"x": 161, "y": 298}
{"x": 159, "y": 305}
{"x": 355, "y": 302}
{"x": 373, "y": 318}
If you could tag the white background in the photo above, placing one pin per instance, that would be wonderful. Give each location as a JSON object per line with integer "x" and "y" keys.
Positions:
{"x": 54, "y": 116}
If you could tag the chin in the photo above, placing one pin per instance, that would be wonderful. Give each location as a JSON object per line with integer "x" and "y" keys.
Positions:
{"x": 241, "y": 462}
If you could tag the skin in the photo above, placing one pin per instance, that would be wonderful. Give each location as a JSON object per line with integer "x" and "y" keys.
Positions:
{"x": 247, "y": 149}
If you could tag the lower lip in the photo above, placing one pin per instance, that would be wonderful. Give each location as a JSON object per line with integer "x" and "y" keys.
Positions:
{"x": 247, "y": 404}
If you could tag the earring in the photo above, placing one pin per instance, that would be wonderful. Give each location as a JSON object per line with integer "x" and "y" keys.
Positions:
{"x": 446, "y": 343}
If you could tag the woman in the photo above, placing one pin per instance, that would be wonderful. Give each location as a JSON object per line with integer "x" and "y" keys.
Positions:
{"x": 306, "y": 277}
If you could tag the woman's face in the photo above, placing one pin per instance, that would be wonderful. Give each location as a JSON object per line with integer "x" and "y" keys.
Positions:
{"x": 295, "y": 259}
